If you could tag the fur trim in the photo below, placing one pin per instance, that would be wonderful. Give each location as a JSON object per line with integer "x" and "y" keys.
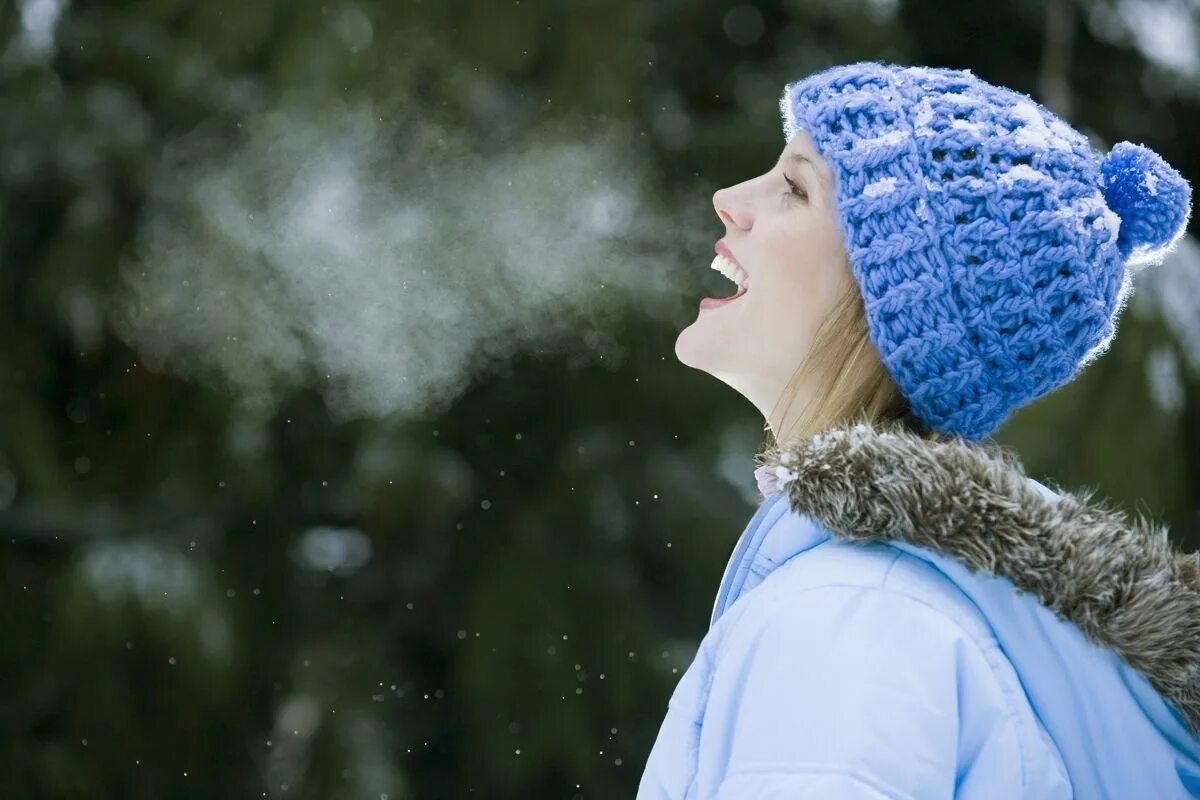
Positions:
{"x": 1122, "y": 583}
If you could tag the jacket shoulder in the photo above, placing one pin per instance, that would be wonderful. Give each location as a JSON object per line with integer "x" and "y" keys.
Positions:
{"x": 883, "y": 567}
{"x": 851, "y": 626}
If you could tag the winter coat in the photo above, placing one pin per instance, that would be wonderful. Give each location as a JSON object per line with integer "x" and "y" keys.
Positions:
{"x": 905, "y": 618}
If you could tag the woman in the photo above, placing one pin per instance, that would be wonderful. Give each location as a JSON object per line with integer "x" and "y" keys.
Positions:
{"x": 908, "y": 615}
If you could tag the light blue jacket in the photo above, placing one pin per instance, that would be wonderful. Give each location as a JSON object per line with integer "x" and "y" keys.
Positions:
{"x": 884, "y": 661}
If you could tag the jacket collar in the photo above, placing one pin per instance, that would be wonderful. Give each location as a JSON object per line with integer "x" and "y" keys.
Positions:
{"x": 1122, "y": 583}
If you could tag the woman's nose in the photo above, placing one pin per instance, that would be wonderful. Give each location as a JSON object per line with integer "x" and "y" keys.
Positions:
{"x": 729, "y": 212}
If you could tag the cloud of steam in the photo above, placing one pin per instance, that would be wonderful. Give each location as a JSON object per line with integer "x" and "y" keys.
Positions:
{"x": 391, "y": 263}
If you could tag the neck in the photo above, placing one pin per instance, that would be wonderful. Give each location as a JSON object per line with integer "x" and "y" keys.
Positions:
{"x": 790, "y": 419}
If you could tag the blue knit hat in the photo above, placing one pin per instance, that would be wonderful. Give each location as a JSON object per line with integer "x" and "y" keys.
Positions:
{"x": 992, "y": 246}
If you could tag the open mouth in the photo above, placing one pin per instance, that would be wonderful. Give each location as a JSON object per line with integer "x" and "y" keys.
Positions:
{"x": 732, "y": 271}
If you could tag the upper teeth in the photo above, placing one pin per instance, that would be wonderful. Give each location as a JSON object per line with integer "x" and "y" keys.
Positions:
{"x": 730, "y": 270}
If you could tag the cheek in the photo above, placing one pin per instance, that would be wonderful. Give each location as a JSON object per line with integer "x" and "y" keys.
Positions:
{"x": 803, "y": 286}
{"x": 799, "y": 301}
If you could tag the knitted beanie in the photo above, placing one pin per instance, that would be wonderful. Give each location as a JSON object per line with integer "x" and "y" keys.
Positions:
{"x": 992, "y": 246}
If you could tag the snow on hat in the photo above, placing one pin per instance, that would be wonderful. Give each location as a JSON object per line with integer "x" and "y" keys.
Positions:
{"x": 992, "y": 246}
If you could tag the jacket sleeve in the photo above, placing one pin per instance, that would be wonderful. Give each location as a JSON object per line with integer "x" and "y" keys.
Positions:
{"x": 859, "y": 693}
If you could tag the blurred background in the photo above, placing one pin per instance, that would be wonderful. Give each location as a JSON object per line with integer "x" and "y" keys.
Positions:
{"x": 343, "y": 448}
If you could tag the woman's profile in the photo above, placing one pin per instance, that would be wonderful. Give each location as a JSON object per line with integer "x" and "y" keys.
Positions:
{"x": 907, "y": 614}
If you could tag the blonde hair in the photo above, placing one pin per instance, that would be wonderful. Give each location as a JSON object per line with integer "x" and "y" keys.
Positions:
{"x": 861, "y": 389}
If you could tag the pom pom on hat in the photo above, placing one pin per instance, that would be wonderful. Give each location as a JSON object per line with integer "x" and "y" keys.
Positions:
{"x": 1152, "y": 199}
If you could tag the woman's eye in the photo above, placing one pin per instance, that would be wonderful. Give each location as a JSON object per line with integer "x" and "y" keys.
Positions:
{"x": 796, "y": 190}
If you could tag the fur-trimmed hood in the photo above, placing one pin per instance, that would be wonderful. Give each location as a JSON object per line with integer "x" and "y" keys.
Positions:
{"x": 1120, "y": 581}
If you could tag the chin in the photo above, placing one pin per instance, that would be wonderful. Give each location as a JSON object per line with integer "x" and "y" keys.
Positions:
{"x": 682, "y": 351}
{"x": 692, "y": 349}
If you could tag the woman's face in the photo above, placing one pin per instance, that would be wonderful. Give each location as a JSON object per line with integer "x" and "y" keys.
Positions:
{"x": 782, "y": 228}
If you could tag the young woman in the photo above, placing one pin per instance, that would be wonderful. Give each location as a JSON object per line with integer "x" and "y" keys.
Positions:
{"x": 908, "y": 615}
